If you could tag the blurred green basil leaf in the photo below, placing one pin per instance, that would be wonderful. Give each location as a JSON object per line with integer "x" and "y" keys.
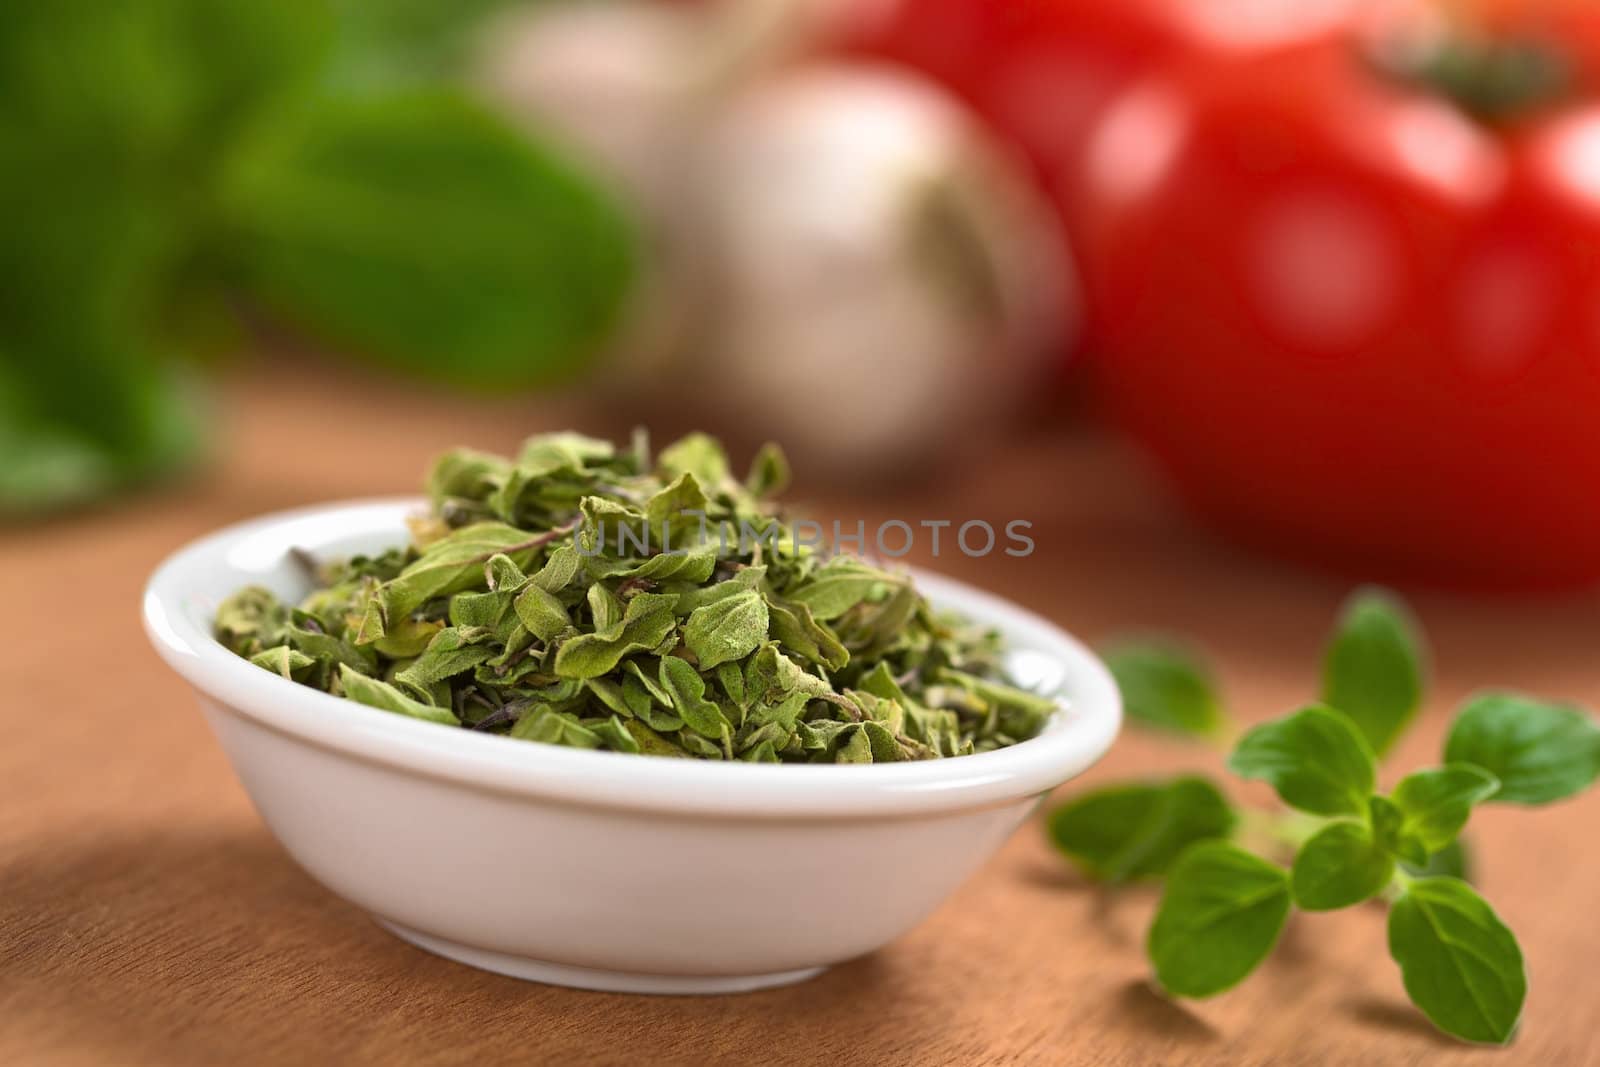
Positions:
{"x": 156, "y": 158}
{"x": 113, "y": 121}
{"x": 421, "y": 228}
{"x": 405, "y": 42}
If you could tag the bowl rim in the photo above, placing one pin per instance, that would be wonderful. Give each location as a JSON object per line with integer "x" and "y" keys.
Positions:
{"x": 210, "y": 567}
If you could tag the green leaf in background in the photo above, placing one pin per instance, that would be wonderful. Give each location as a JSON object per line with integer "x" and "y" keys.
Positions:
{"x": 1138, "y": 830}
{"x": 87, "y": 402}
{"x": 385, "y": 43}
{"x": 241, "y": 59}
{"x": 1540, "y": 752}
{"x": 150, "y": 91}
{"x": 1314, "y": 759}
{"x": 154, "y": 157}
{"x": 84, "y": 410}
{"x": 1372, "y": 670}
{"x": 769, "y": 472}
{"x": 152, "y": 426}
{"x": 420, "y": 227}
{"x": 1339, "y": 866}
{"x": 1460, "y": 963}
{"x": 1220, "y": 916}
{"x": 1166, "y": 686}
{"x": 114, "y": 120}
{"x": 1435, "y": 804}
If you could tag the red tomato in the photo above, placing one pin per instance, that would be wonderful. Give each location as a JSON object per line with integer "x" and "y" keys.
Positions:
{"x": 1356, "y": 326}
{"x": 1043, "y": 71}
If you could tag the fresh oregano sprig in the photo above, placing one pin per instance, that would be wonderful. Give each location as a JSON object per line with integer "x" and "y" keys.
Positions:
{"x": 597, "y": 597}
{"x": 1234, "y": 877}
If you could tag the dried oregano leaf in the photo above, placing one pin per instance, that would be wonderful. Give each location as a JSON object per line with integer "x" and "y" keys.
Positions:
{"x": 687, "y": 693}
{"x": 370, "y": 691}
{"x": 727, "y": 630}
{"x": 286, "y": 662}
{"x": 580, "y": 595}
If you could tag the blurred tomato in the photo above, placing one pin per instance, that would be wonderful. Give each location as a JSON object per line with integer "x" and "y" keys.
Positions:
{"x": 1356, "y": 325}
{"x": 1042, "y": 72}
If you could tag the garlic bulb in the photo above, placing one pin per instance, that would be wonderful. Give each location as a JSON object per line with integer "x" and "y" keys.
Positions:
{"x": 884, "y": 283}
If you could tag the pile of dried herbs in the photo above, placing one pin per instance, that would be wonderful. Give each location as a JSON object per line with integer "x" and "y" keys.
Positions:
{"x": 585, "y": 595}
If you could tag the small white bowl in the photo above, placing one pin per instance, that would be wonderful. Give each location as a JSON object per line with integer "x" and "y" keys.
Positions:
{"x": 597, "y": 869}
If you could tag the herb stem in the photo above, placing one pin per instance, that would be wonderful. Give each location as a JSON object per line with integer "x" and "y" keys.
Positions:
{"x": 1276, "y": 832}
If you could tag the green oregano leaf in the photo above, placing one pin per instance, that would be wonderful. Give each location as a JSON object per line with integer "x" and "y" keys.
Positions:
{"x": 1314, "y": 759}
{"x": 1459, "y": 962}
{"x": 1219, "y": 917}
{"x": 1435, "y": 804}
{"x": 1138, "y": 830}
{"x": 1339, "y": 866}
{"x": 1540, "y": 752}
{"x": 1372, "y": 670}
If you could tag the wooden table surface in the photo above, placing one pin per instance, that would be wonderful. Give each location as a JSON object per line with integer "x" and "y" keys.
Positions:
{"x": 147, "y": 917}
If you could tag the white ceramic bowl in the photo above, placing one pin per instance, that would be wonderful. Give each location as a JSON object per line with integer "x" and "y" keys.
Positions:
{"x": 598, "y": 869}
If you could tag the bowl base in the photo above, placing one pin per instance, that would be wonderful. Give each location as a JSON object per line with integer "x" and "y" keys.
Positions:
{"x": 586, "y": 978}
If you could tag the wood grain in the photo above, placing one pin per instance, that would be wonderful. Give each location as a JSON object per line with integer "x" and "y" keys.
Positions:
{"x": 146, "y": 917}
